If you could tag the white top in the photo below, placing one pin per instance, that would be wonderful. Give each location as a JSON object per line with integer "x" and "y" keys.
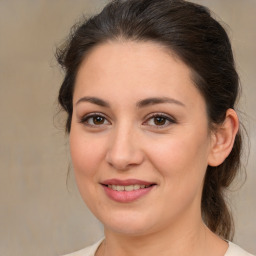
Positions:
{"x": 233, "y": 250}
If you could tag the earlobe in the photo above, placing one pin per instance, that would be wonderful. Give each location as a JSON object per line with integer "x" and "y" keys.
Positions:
{"x": 223, "y": 138}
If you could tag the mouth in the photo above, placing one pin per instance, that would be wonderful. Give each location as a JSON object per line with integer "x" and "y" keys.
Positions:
{"x": 126, "y": 190}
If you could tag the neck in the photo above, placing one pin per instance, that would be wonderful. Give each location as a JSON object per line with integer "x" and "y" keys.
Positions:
{"x": 182, "y": 240}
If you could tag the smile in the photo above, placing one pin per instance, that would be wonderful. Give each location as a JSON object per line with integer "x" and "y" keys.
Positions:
{"x": 127, "y": 188}
{"x": 127, "y": 191}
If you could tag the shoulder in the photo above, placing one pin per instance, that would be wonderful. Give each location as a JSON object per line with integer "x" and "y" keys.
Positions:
{"x": 235, "y": 250}
{"x": 88, "y": 251}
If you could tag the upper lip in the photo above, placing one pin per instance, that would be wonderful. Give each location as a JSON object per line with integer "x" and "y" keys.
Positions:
{"x": 126, "y": 182}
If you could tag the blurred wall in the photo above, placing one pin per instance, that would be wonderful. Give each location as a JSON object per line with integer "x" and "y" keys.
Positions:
{"x": 39, "y": 214}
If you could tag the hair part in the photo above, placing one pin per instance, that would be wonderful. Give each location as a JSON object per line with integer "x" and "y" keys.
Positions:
{"x": 190, "y": 32}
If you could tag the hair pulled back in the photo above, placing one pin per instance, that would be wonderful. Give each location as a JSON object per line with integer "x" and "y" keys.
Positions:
{"x": 190, "y": 32}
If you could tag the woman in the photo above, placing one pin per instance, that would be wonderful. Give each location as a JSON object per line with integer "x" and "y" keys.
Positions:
{"x": 150, "y": 92}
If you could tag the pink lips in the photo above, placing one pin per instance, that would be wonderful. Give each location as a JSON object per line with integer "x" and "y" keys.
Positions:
{"x": 126, "y": 196}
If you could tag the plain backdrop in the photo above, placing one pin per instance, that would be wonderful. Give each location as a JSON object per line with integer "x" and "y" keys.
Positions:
{"x": 39, "y": 213}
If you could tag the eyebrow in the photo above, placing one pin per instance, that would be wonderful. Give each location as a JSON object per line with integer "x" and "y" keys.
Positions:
{"x": 94, "y": 100}
{"x": 140, "y": 104}
{"x": 153, "y": 101}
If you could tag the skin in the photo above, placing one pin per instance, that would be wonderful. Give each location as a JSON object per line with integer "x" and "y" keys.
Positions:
{"x": 126, "y": 142}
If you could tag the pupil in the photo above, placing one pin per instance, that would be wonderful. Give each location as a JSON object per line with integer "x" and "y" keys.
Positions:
{"x": 159, "y": 120}
{"x": 98, "y": 120}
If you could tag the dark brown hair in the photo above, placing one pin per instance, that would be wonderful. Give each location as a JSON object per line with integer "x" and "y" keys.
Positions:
{"x": 189, "y": 31}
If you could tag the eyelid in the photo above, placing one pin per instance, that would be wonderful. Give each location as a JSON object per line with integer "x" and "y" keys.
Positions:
{"x": 169, "y": 118}
{"x": 85, "y": 117}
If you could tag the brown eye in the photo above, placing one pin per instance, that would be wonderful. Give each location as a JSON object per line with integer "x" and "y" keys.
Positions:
{"x": 98, "y": 120}
{"x": 94, "y": 120}
{"x": 159, "y": 120}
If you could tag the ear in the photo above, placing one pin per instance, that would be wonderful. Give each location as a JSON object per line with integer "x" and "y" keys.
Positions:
{"x": 223, "y": 138}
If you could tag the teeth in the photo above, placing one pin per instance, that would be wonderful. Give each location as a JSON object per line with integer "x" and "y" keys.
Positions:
{"x": 127, "y": 188}
{"x": 119, "y": 188}
{"x": 135, "y": 187}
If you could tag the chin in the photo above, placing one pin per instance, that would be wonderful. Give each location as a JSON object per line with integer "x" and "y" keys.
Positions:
{"x": 129, "y": 230}
{"x": 129, "y": 224}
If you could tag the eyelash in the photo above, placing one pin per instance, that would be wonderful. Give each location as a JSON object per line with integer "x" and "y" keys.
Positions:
{"x": 166, "y": 118}
{"x": 85, "y": 120}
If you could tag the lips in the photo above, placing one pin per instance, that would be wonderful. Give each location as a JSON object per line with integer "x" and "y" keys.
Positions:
{"x": 125, "y": 191}
{"x": 126, "y": 182}
{"x": 127, "y": 188}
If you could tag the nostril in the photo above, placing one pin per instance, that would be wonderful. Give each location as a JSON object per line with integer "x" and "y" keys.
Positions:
{"x": 124, "y": 160}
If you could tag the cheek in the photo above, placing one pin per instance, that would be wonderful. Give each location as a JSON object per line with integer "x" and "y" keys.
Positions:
{"x": 86, "y": 153}
{"x": 181, "y": 158}
{"x": 182, "y": 164}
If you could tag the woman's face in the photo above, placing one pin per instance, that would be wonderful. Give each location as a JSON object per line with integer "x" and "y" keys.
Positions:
{"x": 139, "y": 138}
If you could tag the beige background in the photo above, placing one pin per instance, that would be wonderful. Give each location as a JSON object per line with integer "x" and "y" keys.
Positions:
{"x": 39, "y": 214}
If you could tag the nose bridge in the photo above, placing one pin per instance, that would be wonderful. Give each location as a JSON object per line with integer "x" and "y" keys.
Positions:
{"x": 124, "y": 150}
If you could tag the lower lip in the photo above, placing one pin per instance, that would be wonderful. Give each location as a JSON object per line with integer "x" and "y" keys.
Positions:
{"x": 126, "y": 196}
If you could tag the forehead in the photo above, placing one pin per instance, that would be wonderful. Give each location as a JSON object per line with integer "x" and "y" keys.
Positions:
{"x": 144, "y": 69}
{"x": 129, "y": 55}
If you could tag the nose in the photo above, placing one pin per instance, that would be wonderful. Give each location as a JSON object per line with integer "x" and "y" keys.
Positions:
{"x": 124, "y": 149}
